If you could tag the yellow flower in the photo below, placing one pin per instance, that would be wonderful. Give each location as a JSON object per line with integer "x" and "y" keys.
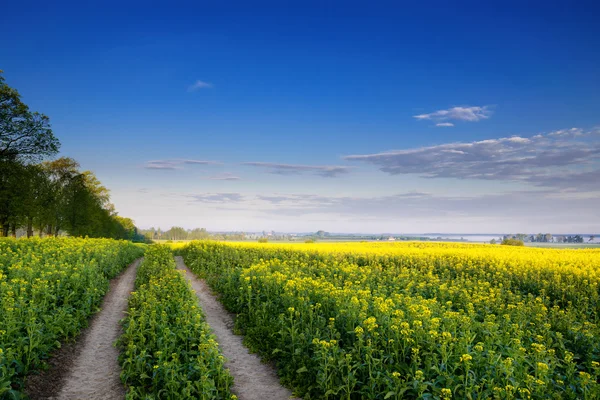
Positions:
{"x": 446, "y": 394}
{"x": 465, "y": 358}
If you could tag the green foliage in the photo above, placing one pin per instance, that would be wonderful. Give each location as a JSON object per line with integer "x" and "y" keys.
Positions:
{"x": 48, "y": 290}
{"x": 370, "y": 326}
{"x": 179, "y": 233}
{"x": 54, "y": 196}
{"x": 513, "y": 242}
{"x": 24, "y": 135}
{"x": 263, "y": 240}
{"x": 167, "y": 349}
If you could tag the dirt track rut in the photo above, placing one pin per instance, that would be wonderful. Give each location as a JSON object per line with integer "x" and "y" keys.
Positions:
{"x": 253, "y": 380}
{"x": 90, "y": 369}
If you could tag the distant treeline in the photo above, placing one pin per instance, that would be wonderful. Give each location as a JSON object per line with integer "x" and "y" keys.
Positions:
{"x": 178, "y": 233}
{"x": 549, "y": 238}
{"x": 48, "y": 197}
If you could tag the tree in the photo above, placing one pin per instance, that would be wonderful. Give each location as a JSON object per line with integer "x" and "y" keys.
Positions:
{"x": 61, "y": 173}
{"x": 54, "y": 196}
{"x": 10, "y": 195}
{"x": 128, "y": 226}
{"x": 33, "y": 192}
{"x": 198, "y": 234}
{"x": 176, "y": 233}
{"x": 24, "y": 135}
{"x": 521, "y": 236}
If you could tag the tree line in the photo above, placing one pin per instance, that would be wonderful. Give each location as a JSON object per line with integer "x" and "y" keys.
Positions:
{"x": 179, "y": 233}
{"x": 548, "y": 238}
{"x": 48, "y": 197}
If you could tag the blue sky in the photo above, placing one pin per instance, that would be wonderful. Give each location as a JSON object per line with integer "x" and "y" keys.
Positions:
{"x": 343, "y": 116}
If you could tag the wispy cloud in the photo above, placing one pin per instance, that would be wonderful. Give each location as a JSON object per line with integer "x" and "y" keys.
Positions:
{"x": 217, "y": 197}
{"x": 199, "y": 162}
{"x": 328, "y": 171}
{"x": 568, "y": 158}
{"x": 175, "y": 164}
{"x": 444, "y": 124}
{"x": 162, "y": 164}
{"x": 199, "y": 85}
{"x": 226, "y": 176}
{"x": 470, "y": 114}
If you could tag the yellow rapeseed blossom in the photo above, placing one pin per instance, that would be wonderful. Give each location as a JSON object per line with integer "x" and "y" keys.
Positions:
{"x": 518, "y": 320}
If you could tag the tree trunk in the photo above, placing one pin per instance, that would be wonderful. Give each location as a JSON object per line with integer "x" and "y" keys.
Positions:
{"x": 49, "y": 230}
{"x": 3, "y": 226}
{"x": 29, "y": 227}
{"x": 13, "y": 230}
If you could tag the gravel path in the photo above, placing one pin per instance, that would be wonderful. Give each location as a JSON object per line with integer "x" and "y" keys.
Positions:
{"x": 89, "y": 369}
{"x": 253, "y": 380}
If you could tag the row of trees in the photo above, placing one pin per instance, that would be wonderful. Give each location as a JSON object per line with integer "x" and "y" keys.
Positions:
{"x": 50, "y": 197}
{"x": 55, "y": 197}
{"x": 548, "y": 238}
{"x": 179, "y": 233}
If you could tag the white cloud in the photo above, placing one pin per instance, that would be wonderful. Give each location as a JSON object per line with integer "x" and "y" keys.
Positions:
{"x": 217, "y": 197}
{"x": 552, "y": 160}
{"x": 470, "y": 114}
{"x": 199, "y": 85}
{"x": 567, "y": 132}
{"x": 444, "y": 124}
{"x": 176, "y": 163}
{"x": 226, "y": 176}
{"x": 328, "y": 171}
{"x": 162, "y": 164}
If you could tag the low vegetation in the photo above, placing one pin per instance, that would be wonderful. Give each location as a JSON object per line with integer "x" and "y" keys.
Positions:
{"x": 513, "y": 242}
{"x": 168, "y": 351}
{"x": 415, "y": 320}
{"x": 48, "y": 290}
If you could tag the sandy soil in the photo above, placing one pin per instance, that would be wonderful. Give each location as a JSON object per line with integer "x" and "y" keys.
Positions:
{"x": 89, "y": 368}
{"x": 253, "y": 380}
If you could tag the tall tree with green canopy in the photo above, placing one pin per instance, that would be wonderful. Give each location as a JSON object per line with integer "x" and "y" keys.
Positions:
{"x": 54, "y": 196}
{"x": 24, "y": 135}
